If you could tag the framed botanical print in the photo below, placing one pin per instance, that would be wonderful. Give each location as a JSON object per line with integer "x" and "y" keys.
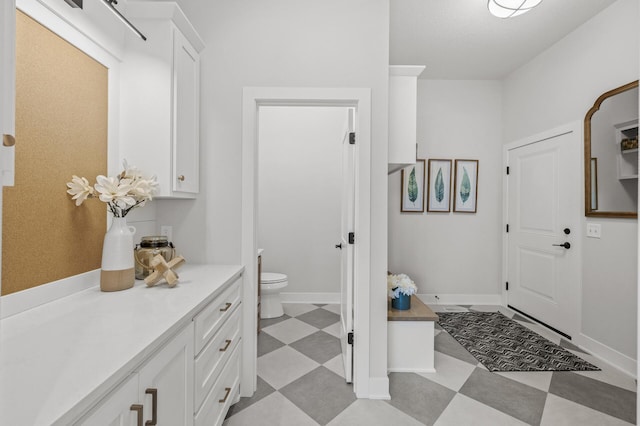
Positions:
{"x": 439, "y": 184}
{"x": 412, "y": 188}
{"x": 465, "y": 198}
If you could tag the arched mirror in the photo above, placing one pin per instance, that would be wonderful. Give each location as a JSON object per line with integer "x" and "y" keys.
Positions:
{"x": 611, "y": 154}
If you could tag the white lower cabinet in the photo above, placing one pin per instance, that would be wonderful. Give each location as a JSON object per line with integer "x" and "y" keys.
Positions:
{"x": 119, "y": 408}
{"x": 159, "y": 393}
{"x": 224, "y": 392}
{"x": 217, "y": 359}
{"x": 216, "y": 313}
{"x": 209, "y": 363}
{"x": 166, "y": 383}
{"x": 193, "y": 378}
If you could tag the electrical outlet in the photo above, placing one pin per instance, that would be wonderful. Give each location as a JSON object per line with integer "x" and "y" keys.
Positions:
{"x": 593, "y": 230}
{"x": 167, "y": 231}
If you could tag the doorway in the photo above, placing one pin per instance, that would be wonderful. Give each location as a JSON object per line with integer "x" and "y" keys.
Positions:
{"x": 306, "y": 200}
{"x": 253, "y": 100}
{"x": 543, "y": 229}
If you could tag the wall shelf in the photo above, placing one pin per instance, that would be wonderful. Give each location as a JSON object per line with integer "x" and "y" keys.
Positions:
{"x": 628, "y": 159}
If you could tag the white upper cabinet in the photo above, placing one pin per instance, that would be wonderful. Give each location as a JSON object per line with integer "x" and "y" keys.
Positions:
{"x": 403, "y": 101}
{"x": 7, "y": 89}
{"x": 160, "y": 98}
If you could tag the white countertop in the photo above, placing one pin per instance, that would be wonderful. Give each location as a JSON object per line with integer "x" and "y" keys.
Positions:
{"x": 58, "y": 359}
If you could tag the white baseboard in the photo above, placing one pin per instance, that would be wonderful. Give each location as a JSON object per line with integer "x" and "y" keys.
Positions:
{"x": 21, "y": 301}
{"x": 310, "y": 297}
{"x": 617, "y": 359}
{"x": 411, "y": 370}
{"x": 378, "y": 388}
{"x": 461, "y": 299}
{"x": 444, "y": 299}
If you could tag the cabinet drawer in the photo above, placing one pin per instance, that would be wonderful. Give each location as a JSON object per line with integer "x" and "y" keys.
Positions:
{"x": 209, "y": 320}
{"x": 223, "y": 394}
{"x": 213, "y": 357}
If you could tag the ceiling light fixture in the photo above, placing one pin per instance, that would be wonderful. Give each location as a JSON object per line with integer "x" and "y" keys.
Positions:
{"x": 511, "y": 8}
{"x": 110, "y": 5}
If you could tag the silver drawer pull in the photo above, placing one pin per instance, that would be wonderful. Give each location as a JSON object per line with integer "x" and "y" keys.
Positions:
{"x": 225, "y": 346}
{"x": 226, "y": 395}
{"x": 225, "y": 309}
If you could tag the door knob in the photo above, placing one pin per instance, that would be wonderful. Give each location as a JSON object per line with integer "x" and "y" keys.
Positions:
{"x": 567, "y": 231}
{"x": 8, "y": 140}
{"x": 339, "y": 246}
{"x": 565, "y": 245}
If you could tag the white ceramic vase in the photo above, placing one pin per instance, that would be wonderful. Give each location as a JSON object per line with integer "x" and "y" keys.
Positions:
{"x": 118, "y": 272}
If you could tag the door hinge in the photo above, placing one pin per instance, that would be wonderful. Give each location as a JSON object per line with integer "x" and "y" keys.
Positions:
{"x": 507, "y": 286}
{"x": 507, "y": 169}
{"x": 352, "y": 138}
{"x": 352, "y": 237}
{"x": 507, "y": 228}
{"x": 350, "y": 337}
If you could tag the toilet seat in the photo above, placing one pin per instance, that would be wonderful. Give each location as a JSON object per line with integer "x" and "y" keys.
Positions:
{"x": 272, "y": 278}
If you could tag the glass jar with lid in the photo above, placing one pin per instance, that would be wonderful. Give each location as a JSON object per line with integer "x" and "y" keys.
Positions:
{"x": 148, "y": 248}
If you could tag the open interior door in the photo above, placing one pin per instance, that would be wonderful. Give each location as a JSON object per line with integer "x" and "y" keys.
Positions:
{"x": 347, "y": 247}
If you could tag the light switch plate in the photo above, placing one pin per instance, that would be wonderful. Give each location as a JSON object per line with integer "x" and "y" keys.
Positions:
{"x": 167, "y": 231}
{"x": 593, "y": 230}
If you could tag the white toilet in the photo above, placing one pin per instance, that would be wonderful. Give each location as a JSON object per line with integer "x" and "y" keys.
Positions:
{"x": 271, "y": 284}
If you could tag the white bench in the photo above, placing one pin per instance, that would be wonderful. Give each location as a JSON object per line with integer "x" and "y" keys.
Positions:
{"x": 411, "y": 338}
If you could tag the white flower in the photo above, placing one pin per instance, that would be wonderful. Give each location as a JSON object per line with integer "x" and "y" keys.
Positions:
{"x": 115, "y": 191}
{"x": 80, "y": 189}
{"x": 400, "y": 284}
{"x": 130, "y": 172}
{"x": 144, "y": 189}
{"x": 123, "y": 192}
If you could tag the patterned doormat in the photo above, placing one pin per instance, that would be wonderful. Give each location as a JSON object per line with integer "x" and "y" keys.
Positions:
{"x": 501, "y": 344}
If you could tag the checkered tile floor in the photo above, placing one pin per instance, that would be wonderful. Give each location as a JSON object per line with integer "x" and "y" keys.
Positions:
{"x": 300, "y": 382}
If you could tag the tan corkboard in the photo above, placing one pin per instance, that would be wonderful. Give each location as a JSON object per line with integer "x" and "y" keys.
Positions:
{"x": 61, "y": 130}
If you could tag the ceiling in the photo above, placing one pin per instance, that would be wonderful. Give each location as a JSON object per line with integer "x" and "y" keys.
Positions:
{"x": 460, "y": 39}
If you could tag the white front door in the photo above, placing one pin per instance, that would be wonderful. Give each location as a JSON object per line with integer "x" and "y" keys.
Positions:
{"x": 347, "y": 250}
{"x": 543, "y": 216}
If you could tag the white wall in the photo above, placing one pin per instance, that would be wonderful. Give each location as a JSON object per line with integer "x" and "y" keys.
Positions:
{"x": 297, "y": 43}
{"x": 300, "y": 167}
{"x": 559, "y": 86}
{"x": 454, "y": 253}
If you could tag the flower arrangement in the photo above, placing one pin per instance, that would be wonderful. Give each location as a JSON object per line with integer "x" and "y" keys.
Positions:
{"x": 122, "y": 193}
{"x": 400, "y": 284}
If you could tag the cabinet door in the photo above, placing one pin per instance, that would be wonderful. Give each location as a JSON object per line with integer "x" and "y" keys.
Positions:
{"x": 7, "y": 89}
{"x": 118, "y": 408}
{"x": 166, "y": 382}
{"x": 186, "y": 82}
